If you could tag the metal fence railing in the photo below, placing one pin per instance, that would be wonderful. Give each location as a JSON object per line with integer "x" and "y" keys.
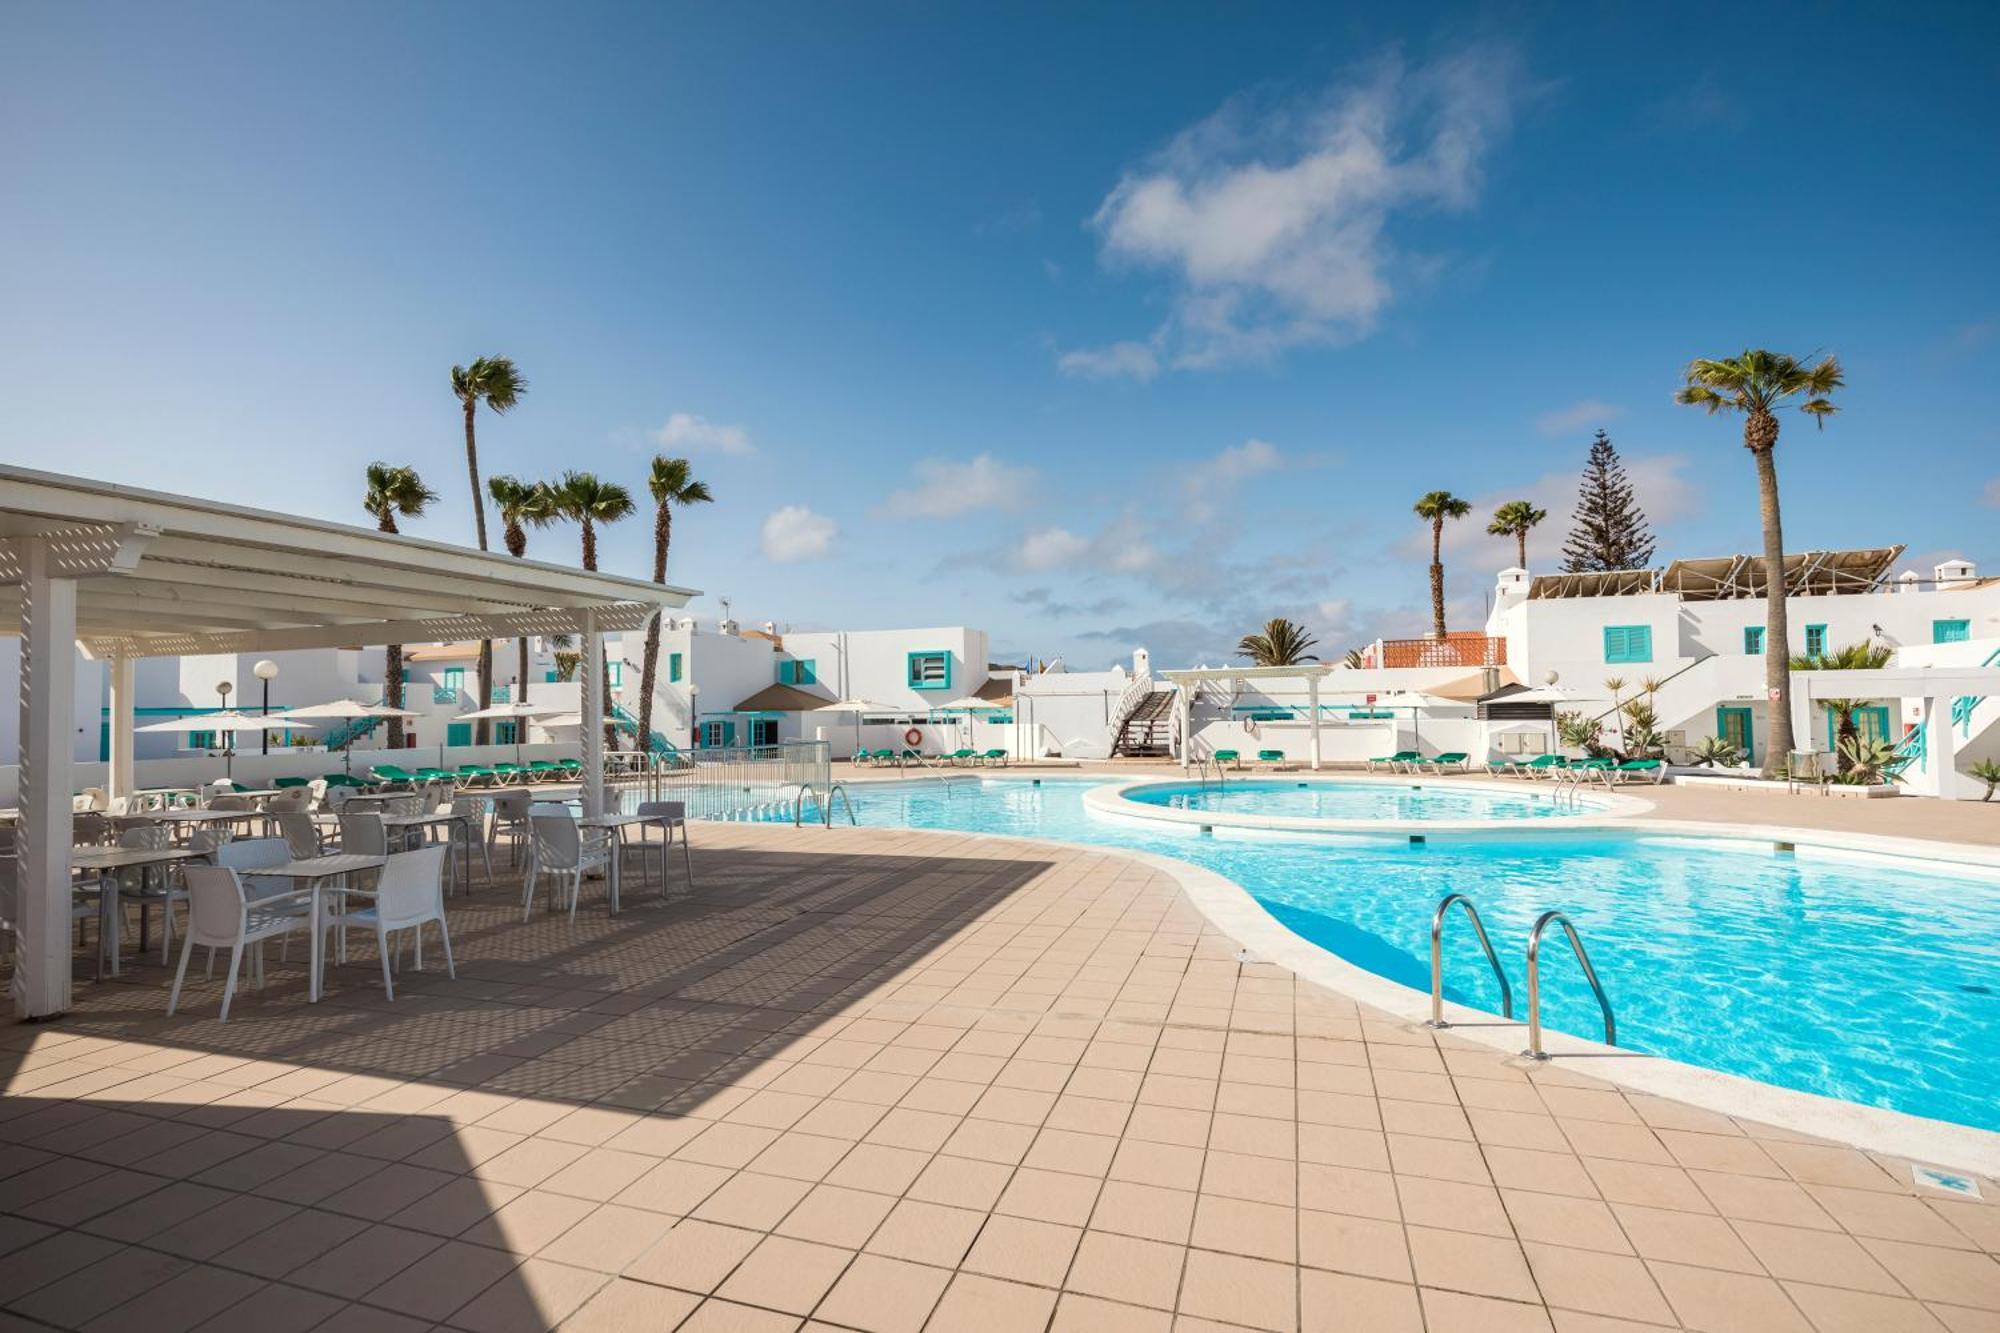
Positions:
{"x": 725, "y": 782}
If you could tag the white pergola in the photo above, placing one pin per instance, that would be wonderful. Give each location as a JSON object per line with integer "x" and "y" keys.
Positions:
{"x": 126, "y": 573}
{"x": 1937, "y": 688}
{"x": 1312, "y": 673}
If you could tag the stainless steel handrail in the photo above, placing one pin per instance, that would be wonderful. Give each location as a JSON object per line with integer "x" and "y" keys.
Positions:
{"x": 839, "y": 789}
{"x": 1542, "y": 923}
{"x": 1437, "y": 959}
{"x": 799, "y": 803}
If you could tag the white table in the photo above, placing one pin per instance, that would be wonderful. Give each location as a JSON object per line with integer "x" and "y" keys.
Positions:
{"x": 314, "y": 874}
{"x": 107, "y": 862}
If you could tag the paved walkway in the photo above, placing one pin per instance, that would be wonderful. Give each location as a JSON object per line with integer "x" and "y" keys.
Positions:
{"x": 897, "y": 1081}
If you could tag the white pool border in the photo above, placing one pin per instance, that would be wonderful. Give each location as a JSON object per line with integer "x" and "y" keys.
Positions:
{"x": 1602, "y": 808}
{"x": 1232, "y": 910}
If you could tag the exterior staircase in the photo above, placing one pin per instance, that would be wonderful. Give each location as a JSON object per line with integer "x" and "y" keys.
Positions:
{"x": 1146, "y": 725}
{"x": 347, "y": 733}
{"x": 628, "y": 725}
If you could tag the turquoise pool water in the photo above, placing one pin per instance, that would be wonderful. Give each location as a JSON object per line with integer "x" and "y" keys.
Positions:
{"x": 1848, "y": 976}
{"x": 1296, "y": 799}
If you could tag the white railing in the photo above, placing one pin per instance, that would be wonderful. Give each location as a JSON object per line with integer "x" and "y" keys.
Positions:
{"x": 721, "y": 782}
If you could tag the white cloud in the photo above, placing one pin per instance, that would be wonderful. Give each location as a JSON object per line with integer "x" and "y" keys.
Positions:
{"x": 946, "y": 488}
{"x": 1271, "y": 223}
{"x": 1135, "y": 360}
{"x": 694, "y": 434}
{"x": 1208, "y": 484}
{"x": 1588, "y": 414}
{"x": 797, "y": 533}
{"x": 1050, "y": 548}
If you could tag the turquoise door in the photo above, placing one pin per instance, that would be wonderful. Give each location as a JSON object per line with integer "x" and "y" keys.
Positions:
{"x": 1734, "y": 726}
{"x": 458, "y": 733}
{"x": 1871, "y": 723}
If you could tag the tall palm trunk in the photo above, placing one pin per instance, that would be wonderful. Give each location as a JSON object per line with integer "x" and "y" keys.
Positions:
{"x": 1521, "y": 540}
{"x": 483, "y": 729}
{"x": 1437, "y": 578}
{"x": 1760, "y": 437}
{"x": 392, "y": 667}
{"x": 663, "y": 535}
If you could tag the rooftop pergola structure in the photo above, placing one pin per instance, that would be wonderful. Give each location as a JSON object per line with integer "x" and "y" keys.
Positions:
{"x": 1312, "y": 673}
{"x": 126, "y": 573}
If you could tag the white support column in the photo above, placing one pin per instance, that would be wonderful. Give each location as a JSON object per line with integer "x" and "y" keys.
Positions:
{"x": 1940, "y": 773}
{"x": 124, "y": 701}
{"x": 592, "y": 706}
{"x": 48, "y": 745}
{"x": 1312, "y": 697}
{"x": 1182, "y": 717}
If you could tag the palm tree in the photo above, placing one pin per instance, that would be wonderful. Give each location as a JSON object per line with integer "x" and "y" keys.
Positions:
{"x": 520, "y": 503}
{"x": 1514, "y": 519}
{"x": 1281, "y": 643}
{"x": 1853, "y": 657}
{"x": 1435, "y": 508}
{"x": 392, "y": 491}
{"x": 494, "y": 380}
{"x": 588, "y": 500}
{"x": 672, "y": 483}
{"x": 1756, "y": 384}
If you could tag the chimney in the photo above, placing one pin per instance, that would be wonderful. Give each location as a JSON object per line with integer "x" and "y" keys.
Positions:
{"x": 1955, "y": 573}
{"x": 1510, "y": 587}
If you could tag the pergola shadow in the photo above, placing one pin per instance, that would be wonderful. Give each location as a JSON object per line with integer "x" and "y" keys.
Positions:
{"x": 192, "y": 1155}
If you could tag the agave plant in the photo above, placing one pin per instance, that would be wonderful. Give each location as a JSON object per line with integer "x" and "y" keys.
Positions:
{"x": 1715, "y": 752}
{"x": 1988, "y": 772}
{"x": 1580, "y": 732}
{"x": 1865, "y": 763}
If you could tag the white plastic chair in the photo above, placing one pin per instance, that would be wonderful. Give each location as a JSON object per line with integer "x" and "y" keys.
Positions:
{"x": 300, "y": 833}
{"x": 670, "y": 816}
{"x": 221, "y": 913}
{"x": 140, "y": 885}
{"x": 468, "y": 816}
{"x": 361, "y": 834}
{"x": 510, "y": 821}
{"x": 408, "y": 896}
{"x": 560, "y": 848}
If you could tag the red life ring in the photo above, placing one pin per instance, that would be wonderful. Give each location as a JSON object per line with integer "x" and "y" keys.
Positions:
{"x": 913, "y": 737}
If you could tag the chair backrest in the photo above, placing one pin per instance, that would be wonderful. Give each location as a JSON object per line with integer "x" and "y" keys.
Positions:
{"x": 215, "y": 904}
{"x": 411, "y": 886}
{"x": 558, "y": 845}
{"x": 210, "y": 839}
{"x": 668, "y": 810}
{"x": 300, "y": 833}
{"x": 93, "y": 798}
{"x": 253, "y": 853}
{"x": 229, "y": 803}
{"x": 468, "y": 807}
{"x": 152, "y": 837}
{"x": 511, "y": 805}
{"x": 317, "y": 789}
{"x": 337, "y": 795}
{"x": 361, "y": 834}
{"x": 88, "y": 828}
{"x": 291, "y": 798}
{"x": 118, "y": 805}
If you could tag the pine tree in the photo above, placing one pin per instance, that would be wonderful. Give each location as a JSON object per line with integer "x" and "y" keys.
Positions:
{"x": 1609, "y": 530}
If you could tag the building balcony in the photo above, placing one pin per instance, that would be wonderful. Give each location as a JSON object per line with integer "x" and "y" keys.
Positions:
{"x": 1466, "y": 648}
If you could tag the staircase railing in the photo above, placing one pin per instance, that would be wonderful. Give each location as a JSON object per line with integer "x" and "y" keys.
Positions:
{"x": 352, "y": 730}
{"x": 1963, "y": 707}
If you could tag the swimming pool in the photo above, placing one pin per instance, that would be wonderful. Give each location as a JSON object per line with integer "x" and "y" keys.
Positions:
{"x": 1848, "y": 975}
{"x": 1351, "y": 800}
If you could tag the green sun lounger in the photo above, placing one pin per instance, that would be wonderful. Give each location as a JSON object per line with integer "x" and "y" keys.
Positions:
{"x": 1270, "y": 756}
{"x": 1397, "y": 760}
{"x": 1642, "y": 770}
{"x": 282, "y": 783}
{"x": 1453, "y": 760}
{"x": 995, "y": 757}
{"x": 479, "y": 773}
{"x": 1228, "y": 757}
{"x": 392, "y": 773}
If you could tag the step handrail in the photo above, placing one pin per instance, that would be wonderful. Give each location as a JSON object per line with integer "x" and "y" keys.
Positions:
{"x": 839, "y": 789}
{"x": 1437, "y": 958}
{"x": 1542, "y": 923}
{"x": 799, "y": 803}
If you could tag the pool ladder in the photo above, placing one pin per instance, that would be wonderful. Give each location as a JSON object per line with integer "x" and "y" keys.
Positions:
{"x": 823, "y": 807}
{"x": 1542, "y": 924}
{"x": 1203, "y": 764}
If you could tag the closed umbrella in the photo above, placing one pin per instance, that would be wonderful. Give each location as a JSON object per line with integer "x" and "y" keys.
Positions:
{"x": 345, "y": 710}
{"x": 856, "y": 707}
{"x": 516, "y": 711}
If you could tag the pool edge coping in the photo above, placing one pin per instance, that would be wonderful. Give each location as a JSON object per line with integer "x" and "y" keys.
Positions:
{"x": 1110, "y": 798}
{"x": 1231, "y": 909}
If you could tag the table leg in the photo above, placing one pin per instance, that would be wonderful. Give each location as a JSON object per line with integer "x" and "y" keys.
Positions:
{"x": 318, "y": 941}
{"x": 108, "y": 911}
{"x": 617, "y": 861}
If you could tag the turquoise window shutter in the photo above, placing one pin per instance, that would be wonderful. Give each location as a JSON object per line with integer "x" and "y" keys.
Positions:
{"x": 1951, "y": 631}
{"x": 1753, "y": 640}
{"x": 1628, "y": 643}
{"x": 1815, "y": 640}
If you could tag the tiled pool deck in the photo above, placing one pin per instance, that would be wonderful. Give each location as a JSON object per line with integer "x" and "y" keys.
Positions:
{"x": 880, "y": 1080}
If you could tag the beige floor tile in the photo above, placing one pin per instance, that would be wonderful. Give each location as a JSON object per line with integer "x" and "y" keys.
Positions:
{"x": 1826, "y": 1258}
{"x": 527, "y": 1223}
{"x": 1844, "y": 1310}
{"x": 1255, "y": 1230}
{"x": 608, "y": 1239}
{"x": 1613, "y": 1285}
{"x": 1049, "y": 1196}
{"x": 878, "y": 1167}
{"x": 1240, "y": 1290}
{"x": 1146, "y": 1211}
{"x": 1453, "y": 1206}
{"x": 1170, "y": 1166}
{"x": 364, "y": 1262}
{"x": 961, "y": 1182}
{"x": 927, "y": 1233}
{"x": 694, "y": 1256}
{"x": 1341, "y": 1303}
{"x": 832, "y": 1215}
{"x": 988, "y": 1305}
{"x": 715, "y": 1316}
{"x": 1931, "y": 1273}
{"x": 624, "y": 1306}
{"x": 1685, "y": 1238}
{"x": 1456, "y": 1312}
{"x": 754, "y": 1201}
{"x": 785, "y": 1274}
{"x": 275, "y": 1308}
{"x": 1076, "y": 1313}
{"x": 1367, "y": 1247}
{"x": 884, "y": 1295}
{"x": 1124, "y": 1268}
{"x": 1023, "y": 1250}
{"x": 1463, "y": 1261}
{"x": 302, "y": 1238}
{"x": 443, "y": 1280}
{"x": 183, "y": 1302}
{"x": 1716, "y": 1302}
{"x": 74, "y": 1299}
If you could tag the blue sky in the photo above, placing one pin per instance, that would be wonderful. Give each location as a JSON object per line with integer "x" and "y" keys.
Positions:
{"x": 1095, "y": 327}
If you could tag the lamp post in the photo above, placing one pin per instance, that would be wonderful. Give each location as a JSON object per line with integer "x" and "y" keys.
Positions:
{"x": 267, "y": 671}
{"x": 694, "y": 717}
{"x": 222, "y": 689}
